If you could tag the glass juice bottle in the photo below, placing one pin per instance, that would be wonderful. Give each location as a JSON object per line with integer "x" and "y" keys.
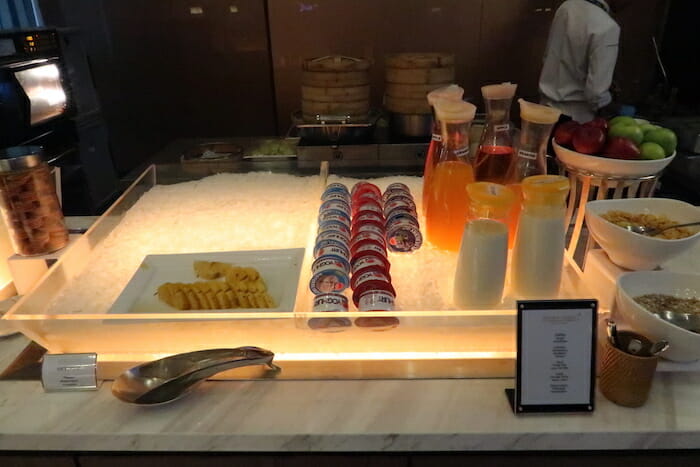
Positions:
{"x": 452, "y": 92}
{"x": 495, "y": 153}
{"x": 447, "y": 204}
{"x": 538, "y": 254}
{"x": 483, "y": 254}
{"x": 531, "y": 155}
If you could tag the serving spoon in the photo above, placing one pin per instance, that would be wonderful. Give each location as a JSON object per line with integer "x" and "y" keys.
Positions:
{"x": 171, "y": 377}
{"x": 688, "y": 321}
{"x": 644, "y": 230}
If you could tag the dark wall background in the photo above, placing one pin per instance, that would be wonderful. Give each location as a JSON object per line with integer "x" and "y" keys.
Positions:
{"x": 174, "y": 68}
{"x": 206, "y": 68}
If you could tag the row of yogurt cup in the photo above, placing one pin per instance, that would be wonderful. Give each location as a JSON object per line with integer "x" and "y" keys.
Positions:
{"x": 355, "y": 229}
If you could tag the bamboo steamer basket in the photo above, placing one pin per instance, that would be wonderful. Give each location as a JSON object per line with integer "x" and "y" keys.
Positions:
{"x": 326, "y": 94}
{"x": 335, "y": 85}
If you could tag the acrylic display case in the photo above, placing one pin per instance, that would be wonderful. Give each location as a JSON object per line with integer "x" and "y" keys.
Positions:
{"x": 433, "y": 343}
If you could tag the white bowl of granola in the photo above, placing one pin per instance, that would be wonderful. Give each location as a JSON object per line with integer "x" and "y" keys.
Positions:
{"x": 606, "y": 220}
{"x": 641, "y": 295}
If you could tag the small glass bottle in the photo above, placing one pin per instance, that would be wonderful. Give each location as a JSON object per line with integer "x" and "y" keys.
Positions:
{"x": 447, "y": 206}
{"x": 495, "y": 153}
{"x": 483, "y": 255}
{"x": 538, "y": 254}
{"x": 452, "y": 92}
{"x": 29, "y": 202}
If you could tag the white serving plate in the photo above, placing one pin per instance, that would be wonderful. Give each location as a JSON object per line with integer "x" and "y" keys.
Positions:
{"x": 279, "y": 268}
{"x": 606, "y": 166}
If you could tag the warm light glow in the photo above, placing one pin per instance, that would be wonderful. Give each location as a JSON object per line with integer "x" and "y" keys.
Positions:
{"x": 338, "y": 356}
{"x": 344, "y": 356}
{"x": 5, "y": 252}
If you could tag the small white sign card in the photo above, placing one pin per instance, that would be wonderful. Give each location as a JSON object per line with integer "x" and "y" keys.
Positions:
{"x": 555, "y": 369}
{"x": 69, "y": 372}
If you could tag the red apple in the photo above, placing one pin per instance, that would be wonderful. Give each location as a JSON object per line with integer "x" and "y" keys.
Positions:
{"x": 588, "y": 139}
{"x": 564, "y": 132}
{"x": 598, "y": 122}
{"x": 618, "y": 147}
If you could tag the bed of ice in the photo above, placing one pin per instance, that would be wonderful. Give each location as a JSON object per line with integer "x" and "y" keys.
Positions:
{"x": 227, "y": 212}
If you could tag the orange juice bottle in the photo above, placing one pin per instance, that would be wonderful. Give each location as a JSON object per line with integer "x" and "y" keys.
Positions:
{"x": 447, "y": 204}
{"x": 452, "y": 92}
{"x": 531, "y": 156}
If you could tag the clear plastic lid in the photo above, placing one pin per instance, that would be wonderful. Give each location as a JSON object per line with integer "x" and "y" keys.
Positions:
{"x": 451, "y": 92}
{"x": 450, "y": 111}
{"x": 537, "y": 113}
{"x": 499, "y": 91}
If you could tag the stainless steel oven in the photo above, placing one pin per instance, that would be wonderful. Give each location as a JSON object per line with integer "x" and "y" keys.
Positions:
{"x": 33, "y": 91}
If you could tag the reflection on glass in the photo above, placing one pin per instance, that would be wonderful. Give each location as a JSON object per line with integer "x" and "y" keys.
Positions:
{"x": 43, "y": 87}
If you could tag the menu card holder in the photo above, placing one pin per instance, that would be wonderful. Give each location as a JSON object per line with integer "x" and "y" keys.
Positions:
{"x": 555, "y": 368}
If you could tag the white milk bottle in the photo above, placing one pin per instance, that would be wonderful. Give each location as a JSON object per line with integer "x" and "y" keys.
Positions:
{"x": 483, "y": 254}
{"x": 538, "y": 254}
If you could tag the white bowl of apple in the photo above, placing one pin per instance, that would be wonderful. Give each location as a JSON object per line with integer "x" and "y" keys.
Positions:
{"x": 621, "y": 147}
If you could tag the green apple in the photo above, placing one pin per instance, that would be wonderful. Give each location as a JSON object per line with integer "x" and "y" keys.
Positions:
{"x": 648, "y": 127}
{"x": 664, "y": 138}
{"x": 632, "y": 132}
{"x": 651, "y": 150}
{"x": 622, "y": 119}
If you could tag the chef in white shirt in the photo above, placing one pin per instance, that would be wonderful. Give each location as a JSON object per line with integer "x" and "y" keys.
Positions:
{"x": 580, "y": 58}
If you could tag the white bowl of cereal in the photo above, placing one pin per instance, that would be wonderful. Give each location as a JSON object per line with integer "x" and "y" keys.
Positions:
{"x": 606, "y": 220}
{"x": 641, "y": 295}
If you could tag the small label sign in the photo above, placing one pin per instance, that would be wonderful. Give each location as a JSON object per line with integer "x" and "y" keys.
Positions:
{"x": 69, "y": 372}
{"x": 556, "y": 356}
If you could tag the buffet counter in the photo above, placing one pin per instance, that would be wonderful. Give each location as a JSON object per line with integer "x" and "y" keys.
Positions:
{"x": 314, "y": 412}
{"x": 344, "y": 416}
{"x": 338, "y": 416}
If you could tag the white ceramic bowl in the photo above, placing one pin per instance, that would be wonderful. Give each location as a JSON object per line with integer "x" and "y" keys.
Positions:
{"x": 684, "y": 346}
{"x": 606, "y": 166}
{"x": 634, "y": 251}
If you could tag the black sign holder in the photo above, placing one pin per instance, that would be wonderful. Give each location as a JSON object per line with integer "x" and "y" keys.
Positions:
{"x": 533, "y": 306}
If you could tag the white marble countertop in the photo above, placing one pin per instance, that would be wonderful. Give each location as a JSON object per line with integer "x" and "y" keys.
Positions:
{"x": 342, "y": 416}
{"x": 388, "y": 415}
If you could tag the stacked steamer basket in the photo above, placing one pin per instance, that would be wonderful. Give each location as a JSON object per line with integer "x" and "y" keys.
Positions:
{"x": 335, "y": 87}
{"x": 409, "y": 78}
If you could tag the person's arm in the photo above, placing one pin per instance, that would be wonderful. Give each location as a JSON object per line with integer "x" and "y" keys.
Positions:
{"x": 601, "y": 66}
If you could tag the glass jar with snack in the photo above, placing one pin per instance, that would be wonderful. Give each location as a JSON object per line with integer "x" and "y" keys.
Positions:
{"x": 29, "y": 203}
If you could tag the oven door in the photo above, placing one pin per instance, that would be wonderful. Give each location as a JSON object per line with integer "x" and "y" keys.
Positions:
{"x": 41, "y": 84}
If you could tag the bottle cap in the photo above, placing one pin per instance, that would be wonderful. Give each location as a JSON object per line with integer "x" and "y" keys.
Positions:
{"x": 450, "y": 111}
{"x": 499, "y": 91}
{"x": 545, "y": 190}
{"x": 537, "y": 113}
{"x": 490, "y": 200}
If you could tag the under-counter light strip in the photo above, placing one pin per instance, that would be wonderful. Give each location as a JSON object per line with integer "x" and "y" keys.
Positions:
{"x": 338, "y": 356}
